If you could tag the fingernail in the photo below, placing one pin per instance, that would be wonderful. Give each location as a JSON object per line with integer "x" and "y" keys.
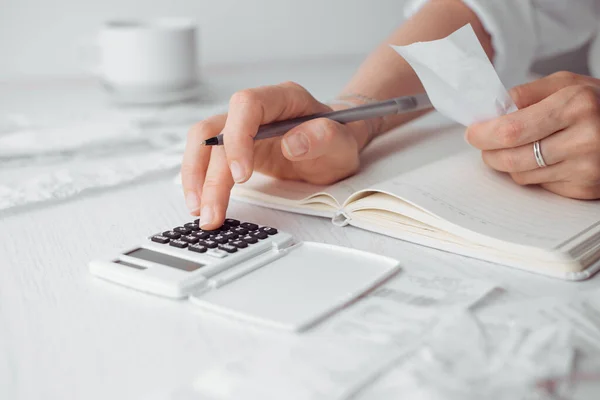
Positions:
{"x": 206, "y": 216}
{"x": 192, "y": 202}
{"x": 296, "y": 144}
{"x": 237, "y": 172}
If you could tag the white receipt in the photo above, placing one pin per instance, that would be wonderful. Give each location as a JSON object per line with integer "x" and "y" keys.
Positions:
{"x": 405, "y": 307}
{"x": 458, "y": 77}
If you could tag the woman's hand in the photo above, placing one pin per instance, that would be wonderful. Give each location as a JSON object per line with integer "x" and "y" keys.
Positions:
{"x": 320, "y": 151}
{"x": 562, "y": 112}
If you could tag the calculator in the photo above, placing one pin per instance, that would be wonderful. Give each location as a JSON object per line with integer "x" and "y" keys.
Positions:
{"x": 180, "y": 259}
{"x": 248, "y": 271}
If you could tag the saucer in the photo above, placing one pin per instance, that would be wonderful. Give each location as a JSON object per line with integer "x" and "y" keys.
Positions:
{"x": 151, "y": 96}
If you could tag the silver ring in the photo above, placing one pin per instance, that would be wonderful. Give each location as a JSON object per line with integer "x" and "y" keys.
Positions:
{"x": 537, "y": 153}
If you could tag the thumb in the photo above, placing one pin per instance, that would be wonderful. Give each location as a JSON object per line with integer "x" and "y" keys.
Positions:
{"x": 316, "y": 138}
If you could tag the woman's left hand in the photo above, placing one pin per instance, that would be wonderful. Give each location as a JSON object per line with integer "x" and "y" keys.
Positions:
{"x": 562, "y": 112}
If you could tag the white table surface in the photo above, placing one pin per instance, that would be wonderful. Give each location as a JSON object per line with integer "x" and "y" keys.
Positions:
{"x": 67, "y": 335}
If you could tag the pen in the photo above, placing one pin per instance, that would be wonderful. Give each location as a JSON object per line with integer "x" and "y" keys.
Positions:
{"x": 398, "y": 105}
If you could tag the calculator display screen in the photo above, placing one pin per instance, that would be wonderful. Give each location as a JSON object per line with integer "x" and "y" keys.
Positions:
{"x": 164, "y": 259}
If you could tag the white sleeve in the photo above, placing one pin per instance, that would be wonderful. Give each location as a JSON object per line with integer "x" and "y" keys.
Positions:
{"x": 524, "y": 31}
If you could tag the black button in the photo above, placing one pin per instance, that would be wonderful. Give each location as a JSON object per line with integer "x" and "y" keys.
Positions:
{"x": 197, "y": 221}
{"x": 160, "y": 239}
{"x": 192, "y": 226}
{"x": 249, "y": 239}
{"x": 240, "y": 231}
{"x": 211, "y": 244}
{"x": 239, "y": 244}
{"x": 197, "y": 248}
{"x": 228, "y": 248}
{"x": 172, "y": 235}
{"x": 261, "y": 235}
{"x": 201, "y": 234}
{"x": 250, "y": 226}
{"x": 268, "y": 230}
{"x": 220, "y": 239}
{"x": 178, "y": 243}
{"x": 190, "y": 239}
{"x": 182, "y": 230}
{"x": 232, "y": 222}
{"x": 230, "y": 235}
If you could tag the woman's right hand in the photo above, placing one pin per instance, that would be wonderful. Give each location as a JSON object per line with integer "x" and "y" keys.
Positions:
{"x": 319, "y": 151}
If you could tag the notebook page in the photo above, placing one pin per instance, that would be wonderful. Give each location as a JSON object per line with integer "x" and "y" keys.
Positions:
{"x": 424, "y": 141}
{"x": 464, "y": 191}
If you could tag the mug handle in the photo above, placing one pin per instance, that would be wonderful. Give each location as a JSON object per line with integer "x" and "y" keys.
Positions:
{"x": 88, "y": 54}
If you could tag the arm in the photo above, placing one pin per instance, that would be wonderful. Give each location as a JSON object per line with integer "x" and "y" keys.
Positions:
{"x": 385, "y": 75}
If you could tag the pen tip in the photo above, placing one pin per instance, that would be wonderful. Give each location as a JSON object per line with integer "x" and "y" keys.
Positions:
{"x": 214, "y": 141}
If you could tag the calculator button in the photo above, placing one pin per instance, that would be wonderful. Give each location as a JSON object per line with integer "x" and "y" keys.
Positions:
{"x": 240, "y": 231}
{"x": 268, "y": 230}
{"x": 240, "y": 244}
{"x": 220, "y": 239}
{"x": 230, "y": 235}
{"x": 178, "y": 243}
{"x": 172, "y": 235}
{"x": 217, "y": 253}
{"x": 232, "y": 222}
{"x": 182, "y": 230}
{"x": 260, "y": 235}
{"x": 250, "y": 226}
{"x": 190, "y": 239}
{"x": 249, "y": 239}
{"x": 197, "y": 248}
{"x": 192, "y": 226}
{"x": 160, "y": 239}
{"x": 201, "y": 234}
{"x": 228, "y": 248}
{"x": 211, "y": 244}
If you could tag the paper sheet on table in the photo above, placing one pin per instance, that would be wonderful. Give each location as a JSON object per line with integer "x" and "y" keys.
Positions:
{"x": 581, "y": 313}
{"x": 310, "y": 369}
{"x": 464, "y": 359}
{"x": 107, "y": 131}
{"x": 461, "y": 82}
{"x": 404, "y": 308}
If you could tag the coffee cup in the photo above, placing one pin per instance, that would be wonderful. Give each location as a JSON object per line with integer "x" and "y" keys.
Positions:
{"x": 148, "y": 61}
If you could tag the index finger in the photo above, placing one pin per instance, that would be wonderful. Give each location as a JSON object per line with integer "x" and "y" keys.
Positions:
{"x": 196, "y": 158}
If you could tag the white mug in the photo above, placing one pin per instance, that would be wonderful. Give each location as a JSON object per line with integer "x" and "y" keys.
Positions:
{"x": 152, "y": 61}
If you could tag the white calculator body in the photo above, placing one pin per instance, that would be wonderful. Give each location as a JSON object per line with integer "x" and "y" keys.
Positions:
{"x": 249, "y": 272}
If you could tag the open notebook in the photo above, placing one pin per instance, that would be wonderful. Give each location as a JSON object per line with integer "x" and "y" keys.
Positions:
{"x": 422, "y": 183}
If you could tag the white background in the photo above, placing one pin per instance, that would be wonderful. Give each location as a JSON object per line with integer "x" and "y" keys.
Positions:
{"x": 41, "y": 37}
